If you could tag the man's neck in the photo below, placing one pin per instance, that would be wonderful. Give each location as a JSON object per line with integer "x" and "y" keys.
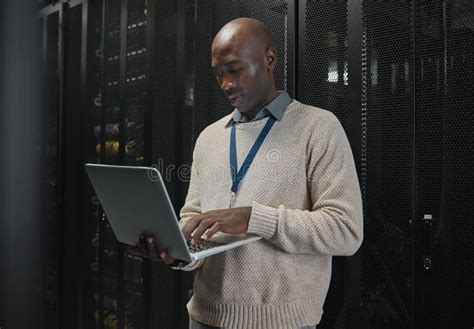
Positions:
{"x": 252, "y": 113}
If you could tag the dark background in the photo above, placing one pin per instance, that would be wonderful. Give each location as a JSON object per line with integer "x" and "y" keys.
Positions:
{"x": 129, "y": 82}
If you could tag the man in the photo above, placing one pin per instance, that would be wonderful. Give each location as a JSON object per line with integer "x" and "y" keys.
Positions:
{"x": 299, "y": 192}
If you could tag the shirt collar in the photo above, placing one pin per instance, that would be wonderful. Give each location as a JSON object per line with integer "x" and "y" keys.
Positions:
{"x": 275, "y": 107}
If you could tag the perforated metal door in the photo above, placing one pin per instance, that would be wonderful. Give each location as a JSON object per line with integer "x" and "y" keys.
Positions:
{"x": 387, "y": 255}
{"x": 323, "y": 82}
{"x": 415, "y": 152}
{"x": 444, "y": 256}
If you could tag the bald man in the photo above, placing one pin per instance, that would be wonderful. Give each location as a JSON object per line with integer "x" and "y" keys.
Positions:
{"x": 299, "y": 191}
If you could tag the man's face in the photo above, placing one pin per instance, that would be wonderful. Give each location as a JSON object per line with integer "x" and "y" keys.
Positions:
{"x": 239, "y": 66}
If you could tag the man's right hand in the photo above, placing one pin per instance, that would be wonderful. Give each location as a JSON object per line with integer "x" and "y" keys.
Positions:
{"x": 146, "y": 248}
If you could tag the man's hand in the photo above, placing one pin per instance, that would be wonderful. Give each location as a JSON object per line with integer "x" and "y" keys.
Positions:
{"x": 232, "y": 221}
{"x": 147, "y": 248}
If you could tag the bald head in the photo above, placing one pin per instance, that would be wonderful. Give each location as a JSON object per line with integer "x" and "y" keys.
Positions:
{"x": 244, "y": 30}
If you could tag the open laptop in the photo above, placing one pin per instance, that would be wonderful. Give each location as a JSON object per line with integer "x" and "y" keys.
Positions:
{"x": 135, "y": 201}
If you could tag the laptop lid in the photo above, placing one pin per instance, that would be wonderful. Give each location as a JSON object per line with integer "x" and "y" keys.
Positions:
{"x": 135, "y": 201}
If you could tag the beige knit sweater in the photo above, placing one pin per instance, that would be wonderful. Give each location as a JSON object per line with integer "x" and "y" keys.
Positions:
{"x": 306, "y": 204}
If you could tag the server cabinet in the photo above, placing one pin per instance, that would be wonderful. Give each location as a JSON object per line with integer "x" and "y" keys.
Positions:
{"x": 69, "y": 34}
{"x": 52, "y": 50}
{"x": 412, "y": 150}
{"x": 121, "y": 132}
{"x": 444, "y": 258}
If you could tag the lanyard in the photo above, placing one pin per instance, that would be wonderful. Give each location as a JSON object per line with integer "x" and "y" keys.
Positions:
{"x": 238, "y": 176}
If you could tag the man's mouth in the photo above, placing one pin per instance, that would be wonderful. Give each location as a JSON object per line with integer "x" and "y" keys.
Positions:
{"x": 234, "y": 99}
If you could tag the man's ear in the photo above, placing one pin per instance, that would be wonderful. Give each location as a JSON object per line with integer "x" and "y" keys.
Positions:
{"x": 271, "y": 58}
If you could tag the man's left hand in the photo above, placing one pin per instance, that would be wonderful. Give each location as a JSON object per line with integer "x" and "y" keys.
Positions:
{"x": 232, "y": 221}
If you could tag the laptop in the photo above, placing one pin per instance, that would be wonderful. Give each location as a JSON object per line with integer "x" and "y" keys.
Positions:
{"x": 135, "y": 201}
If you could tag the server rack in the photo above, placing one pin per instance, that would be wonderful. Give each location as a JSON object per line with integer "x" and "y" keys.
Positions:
{"x": 410, "y": 56}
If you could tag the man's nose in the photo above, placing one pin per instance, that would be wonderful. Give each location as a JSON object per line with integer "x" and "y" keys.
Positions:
{"x": 228, "y": 82}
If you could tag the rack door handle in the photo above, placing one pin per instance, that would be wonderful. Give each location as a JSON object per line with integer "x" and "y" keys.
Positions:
{"x": 428, "y": 242}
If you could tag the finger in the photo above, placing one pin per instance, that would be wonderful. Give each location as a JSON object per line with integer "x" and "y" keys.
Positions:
{"x": 213, "y": 230}
{"x": 166, "y": 258}
{"x": 191, "y": 225}
{"x": 136, "y": 251}
{"x": 203, "y": 226}
{"x": 151, "y": 246}
{"x": 142, "y": 244}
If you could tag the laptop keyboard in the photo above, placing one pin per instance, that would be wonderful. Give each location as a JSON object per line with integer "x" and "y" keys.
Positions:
{"x": 203, "y": 245}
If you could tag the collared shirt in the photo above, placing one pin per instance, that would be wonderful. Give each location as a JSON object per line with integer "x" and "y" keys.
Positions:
{"x": 275, "y": 107}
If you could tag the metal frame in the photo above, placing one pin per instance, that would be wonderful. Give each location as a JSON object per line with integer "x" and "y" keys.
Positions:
{"x": 101, "y": 224}
{"x": 180, "y": 65}
{"x": 415, "y": 300}
{"x": 180, "y": 94}
{"x": 48, "y": 10}
{"x": 292, "y": 40}
{"x": 301, "y": 45}
{"x": 149, "y": 40}
{"x": 73, "y": 3}
{"x": 71, "y": 163}
{"x": 354, "y": 58}
{"x": 44, "y": 15}
{"x": 61, "y": 101}
{"x": 122, "y": 144}
{"x": 355, "y": 35}
{"x": 82, "y": 120}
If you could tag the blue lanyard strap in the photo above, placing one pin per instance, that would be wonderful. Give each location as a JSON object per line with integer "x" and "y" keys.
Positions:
{"x": 238, "y": 176}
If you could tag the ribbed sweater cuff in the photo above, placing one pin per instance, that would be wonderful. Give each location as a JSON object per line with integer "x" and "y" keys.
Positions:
{"x": 263, "y": 221}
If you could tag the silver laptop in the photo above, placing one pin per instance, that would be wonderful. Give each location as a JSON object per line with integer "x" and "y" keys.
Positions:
{"x": 135, "y": 201}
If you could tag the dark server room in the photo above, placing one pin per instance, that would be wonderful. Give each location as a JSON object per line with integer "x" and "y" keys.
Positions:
{"x": 361, "y": 209}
